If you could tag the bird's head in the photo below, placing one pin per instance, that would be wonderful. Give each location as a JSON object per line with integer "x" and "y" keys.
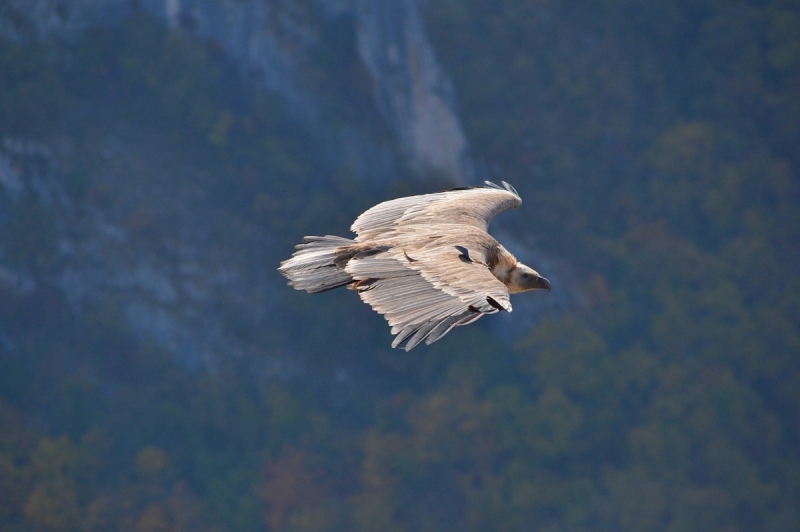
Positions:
{"x": 524, "y": 278}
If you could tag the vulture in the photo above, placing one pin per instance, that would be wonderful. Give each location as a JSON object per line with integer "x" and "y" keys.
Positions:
{"x": 426, "y": 263}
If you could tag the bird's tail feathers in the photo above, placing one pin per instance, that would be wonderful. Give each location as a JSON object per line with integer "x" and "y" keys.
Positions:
{"x": 312, "y": 268}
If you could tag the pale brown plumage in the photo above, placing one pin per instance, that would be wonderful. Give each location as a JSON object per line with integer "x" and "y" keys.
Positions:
{"x": 425, "y": 262}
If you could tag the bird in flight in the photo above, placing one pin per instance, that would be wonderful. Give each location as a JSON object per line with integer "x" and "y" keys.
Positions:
{"x": 426, "y": 263}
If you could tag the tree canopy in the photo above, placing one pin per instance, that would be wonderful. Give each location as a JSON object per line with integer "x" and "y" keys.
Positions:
{"x": 655, "y": 147}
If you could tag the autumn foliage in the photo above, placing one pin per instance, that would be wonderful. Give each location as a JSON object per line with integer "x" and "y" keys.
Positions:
{"x": 655, "y": 148}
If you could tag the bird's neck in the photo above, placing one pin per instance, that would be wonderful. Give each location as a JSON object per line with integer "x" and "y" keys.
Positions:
{"x": 502, "y": 264}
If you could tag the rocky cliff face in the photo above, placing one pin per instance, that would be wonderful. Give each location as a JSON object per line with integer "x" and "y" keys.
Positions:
{"x": 273, "y": 40}
{"x": 149, "y": 236}
{"x": 410, "y": 89}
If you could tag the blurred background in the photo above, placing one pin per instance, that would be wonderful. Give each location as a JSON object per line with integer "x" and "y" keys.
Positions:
{"x": 159, "y": 158}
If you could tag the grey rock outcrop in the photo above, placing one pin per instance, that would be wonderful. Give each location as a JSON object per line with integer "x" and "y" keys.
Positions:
{"x": 272, "y": 39}
{"x": 411, "y": 91}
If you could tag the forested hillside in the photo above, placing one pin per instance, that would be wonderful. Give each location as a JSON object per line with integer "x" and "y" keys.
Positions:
{"x": 655, "y": 148}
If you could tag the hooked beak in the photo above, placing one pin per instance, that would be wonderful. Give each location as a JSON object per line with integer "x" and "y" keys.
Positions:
{"x": 544, "y": 284}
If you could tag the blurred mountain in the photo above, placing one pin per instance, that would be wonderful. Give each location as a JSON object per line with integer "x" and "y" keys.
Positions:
{"x": 158, "y": 160}
{"x": 384, "y": 42}
{"x": 357, "y": 81}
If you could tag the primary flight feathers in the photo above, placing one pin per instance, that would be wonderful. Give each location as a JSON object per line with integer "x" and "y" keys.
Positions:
{"x": 425, "y": 262}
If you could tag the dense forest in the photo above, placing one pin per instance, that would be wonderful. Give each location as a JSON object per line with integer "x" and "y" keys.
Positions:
{"x": 655, "y": 146}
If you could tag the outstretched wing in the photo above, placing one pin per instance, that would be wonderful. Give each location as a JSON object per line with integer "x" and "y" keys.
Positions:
{"x": 424, "y": 293}
{"x": 474, "y": 206}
